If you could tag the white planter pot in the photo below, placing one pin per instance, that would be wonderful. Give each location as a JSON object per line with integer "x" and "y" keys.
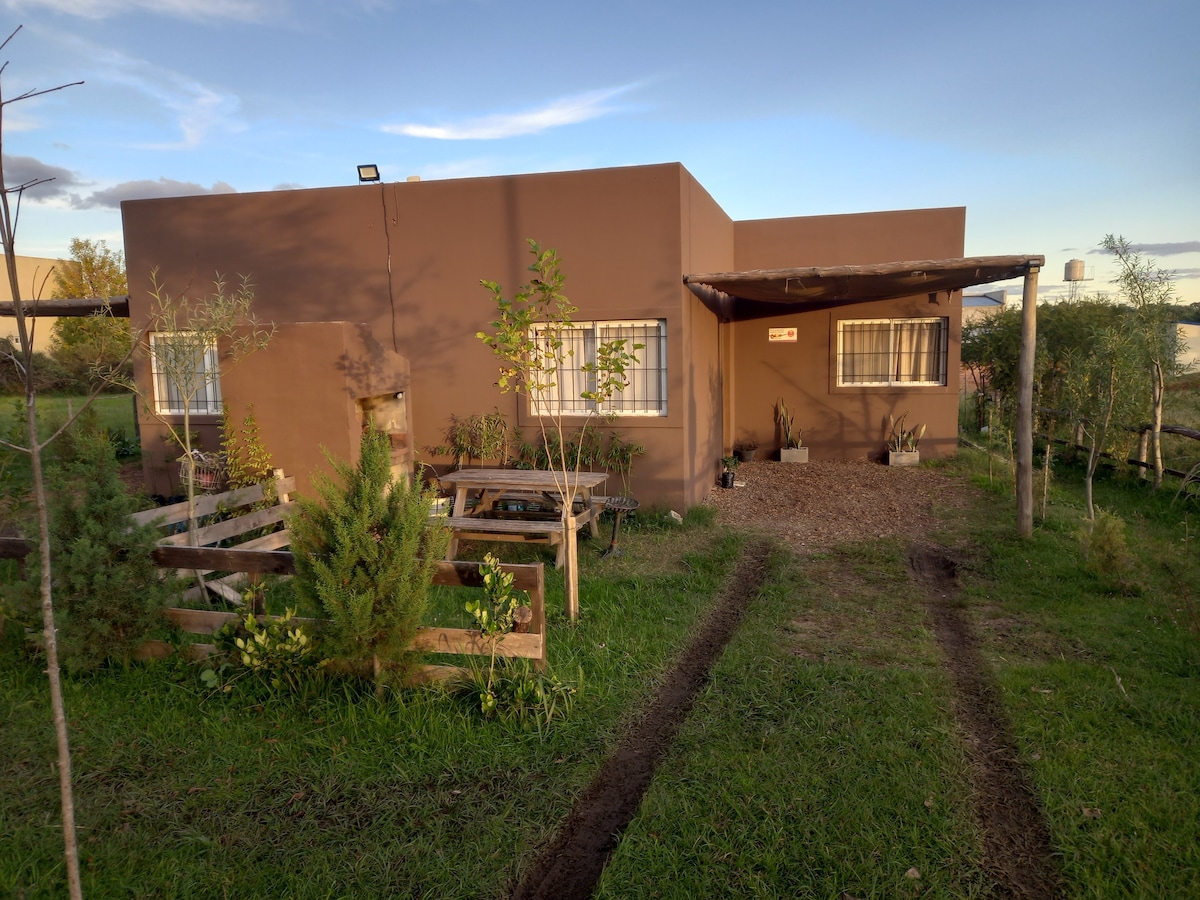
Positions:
{"x": 904, "y": 457}
{"x": 793, "y": 454}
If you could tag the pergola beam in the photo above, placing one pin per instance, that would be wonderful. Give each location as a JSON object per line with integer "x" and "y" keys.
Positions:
{"x": 117, "y": 307}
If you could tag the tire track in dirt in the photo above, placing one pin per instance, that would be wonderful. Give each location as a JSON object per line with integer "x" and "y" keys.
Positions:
{"x": 571, "y": 865}
{"x": 1017, "y": 850}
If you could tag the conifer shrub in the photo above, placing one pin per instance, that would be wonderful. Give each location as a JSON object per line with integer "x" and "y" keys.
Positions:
{"x": 366, "y": 553}
{"x": 1106, "y": 551}
{"x": 104, "y": 573}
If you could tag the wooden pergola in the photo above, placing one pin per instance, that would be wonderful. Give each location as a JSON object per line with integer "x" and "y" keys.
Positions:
{"x": 757, "y": 293}
{"x": 118, "y": 307}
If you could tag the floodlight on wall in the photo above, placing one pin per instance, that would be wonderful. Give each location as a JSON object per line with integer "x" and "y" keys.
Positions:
{"x": 368, "y": 172}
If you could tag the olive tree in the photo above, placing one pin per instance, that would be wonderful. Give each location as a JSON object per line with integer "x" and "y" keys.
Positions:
{"x": 529, "y": 337}
{"x": 1157, "y": 341}
{"x": 1101, "y": 385}
{"x": 188, "y": 334}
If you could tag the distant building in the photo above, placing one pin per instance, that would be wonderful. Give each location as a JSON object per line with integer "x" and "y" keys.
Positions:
{"x": 978, "y": 305}
{"x": 35, "y": 276}
{"x": 1190, "y": 357}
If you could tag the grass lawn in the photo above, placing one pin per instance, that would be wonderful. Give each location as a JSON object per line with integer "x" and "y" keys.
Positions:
{"x": 114, "y": 412}
{"x": 823, "y": 756}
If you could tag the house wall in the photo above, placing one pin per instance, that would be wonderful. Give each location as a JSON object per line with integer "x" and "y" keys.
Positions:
{"x": 706, "y": 242}
{"x": 841, "y": 422}
{"x": 406, "y": 259}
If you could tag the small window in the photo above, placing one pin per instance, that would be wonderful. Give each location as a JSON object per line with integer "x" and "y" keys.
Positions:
{"x": 646, "y": 394}
{"x": 186, "y": 376}
{"x": 887, "y": 352}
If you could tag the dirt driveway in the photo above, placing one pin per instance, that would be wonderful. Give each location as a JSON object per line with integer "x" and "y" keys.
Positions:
{"x": 822, "y": 503}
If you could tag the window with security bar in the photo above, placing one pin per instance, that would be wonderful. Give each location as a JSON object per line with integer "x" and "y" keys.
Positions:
{"x": 186, "y": 376}
{"x": 889, "y": 352}
{"x": 646, "y": 393}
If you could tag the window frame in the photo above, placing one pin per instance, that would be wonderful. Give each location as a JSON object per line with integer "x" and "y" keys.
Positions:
{"x": 943, "y": 352}
{"x": 208, "y": 400}
{"x": 550, "y": 403}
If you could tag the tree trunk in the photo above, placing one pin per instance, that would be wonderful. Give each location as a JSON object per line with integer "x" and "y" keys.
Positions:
{"x": 57, "y": 704}
{"x": 193, "y": 525}
{"x": 1099, "y": 434}
{"x": 1156, "y": 425}
{"x": 571, "y": 575}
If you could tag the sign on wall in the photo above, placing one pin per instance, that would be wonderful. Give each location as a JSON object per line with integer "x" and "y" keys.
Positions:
{"x": 778, "y": 335}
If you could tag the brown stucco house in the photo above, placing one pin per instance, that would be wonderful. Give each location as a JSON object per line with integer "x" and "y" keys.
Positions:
{"x": 375, "y": 289}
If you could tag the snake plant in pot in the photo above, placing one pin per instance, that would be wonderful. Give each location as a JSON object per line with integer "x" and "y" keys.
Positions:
{"x": 902, "y": 442}
{"x": 791, "y": 447}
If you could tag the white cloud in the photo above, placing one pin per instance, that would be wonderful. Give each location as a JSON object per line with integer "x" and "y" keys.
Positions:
{"x": 567, "y": 111}
{"x": 198, "y": 109}
{"x": 242, "y": 10}
{"x": 1170, "y": 248}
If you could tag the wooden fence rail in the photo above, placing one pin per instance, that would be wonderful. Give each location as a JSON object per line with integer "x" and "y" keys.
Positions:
{"x": 531, "y": 644}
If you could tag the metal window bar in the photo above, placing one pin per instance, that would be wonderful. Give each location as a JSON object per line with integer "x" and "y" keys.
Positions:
{"x": 203, "y": 384}
{"x": 885, "y": 352}
{"x": 646, "y": 392}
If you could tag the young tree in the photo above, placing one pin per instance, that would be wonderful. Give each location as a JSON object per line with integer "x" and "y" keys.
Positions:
{"x": 366, "y": 554}
{"x": 1101, "y": 385}
{"x": 188, "y": 336}
{"x": 1158, "y": 342}
{"x": 8, "y": 240}
{"x": 85, "y": 343}
{"x": 529, "y": 339}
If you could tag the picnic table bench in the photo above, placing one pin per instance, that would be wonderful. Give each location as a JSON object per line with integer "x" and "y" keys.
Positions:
{"x": 488, "y": 488}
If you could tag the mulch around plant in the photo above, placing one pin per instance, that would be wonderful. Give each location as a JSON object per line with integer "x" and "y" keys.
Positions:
{"x": 571, "y": 865}
{"x": 1018, "y": 853}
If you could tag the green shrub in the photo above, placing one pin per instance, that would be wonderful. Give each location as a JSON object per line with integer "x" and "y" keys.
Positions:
{"x": 366, "y": 555}
{"x": 276, "y": 649}
{"x": 1106, "y": 549}
{"x": 247, "y": 460}
{"x": 511, "y": 690}
{"x": 105, "y": 579}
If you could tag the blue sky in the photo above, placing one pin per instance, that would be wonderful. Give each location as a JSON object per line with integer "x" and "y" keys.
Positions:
{"x": 1054, "y": 122}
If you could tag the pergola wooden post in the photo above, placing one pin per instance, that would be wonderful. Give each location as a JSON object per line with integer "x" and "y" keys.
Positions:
{"x": 1025, "y": 404}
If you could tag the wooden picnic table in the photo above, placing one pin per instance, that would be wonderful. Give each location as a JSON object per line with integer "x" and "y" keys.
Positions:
{"x": 487, "y": 487}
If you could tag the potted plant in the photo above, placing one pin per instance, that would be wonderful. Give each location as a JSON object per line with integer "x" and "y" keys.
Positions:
{"x": 745, "y": 450}
{"x": 902, "y": 442}
{"x": 729, "y": 465}
{"x": 792, "y": 448}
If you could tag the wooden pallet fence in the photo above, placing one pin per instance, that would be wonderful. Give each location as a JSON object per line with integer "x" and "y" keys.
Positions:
{"x": 462, "y": 641}
{"x": 174, "y": 518}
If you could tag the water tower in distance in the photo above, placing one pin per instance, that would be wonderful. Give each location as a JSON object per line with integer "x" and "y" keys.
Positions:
{"x": 1074, "y": 273}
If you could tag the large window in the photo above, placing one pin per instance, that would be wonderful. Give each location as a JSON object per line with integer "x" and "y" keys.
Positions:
{"x": 646, "y": 394}
{"x": 185, "y": 374}
{"x": 885, "y": 352}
